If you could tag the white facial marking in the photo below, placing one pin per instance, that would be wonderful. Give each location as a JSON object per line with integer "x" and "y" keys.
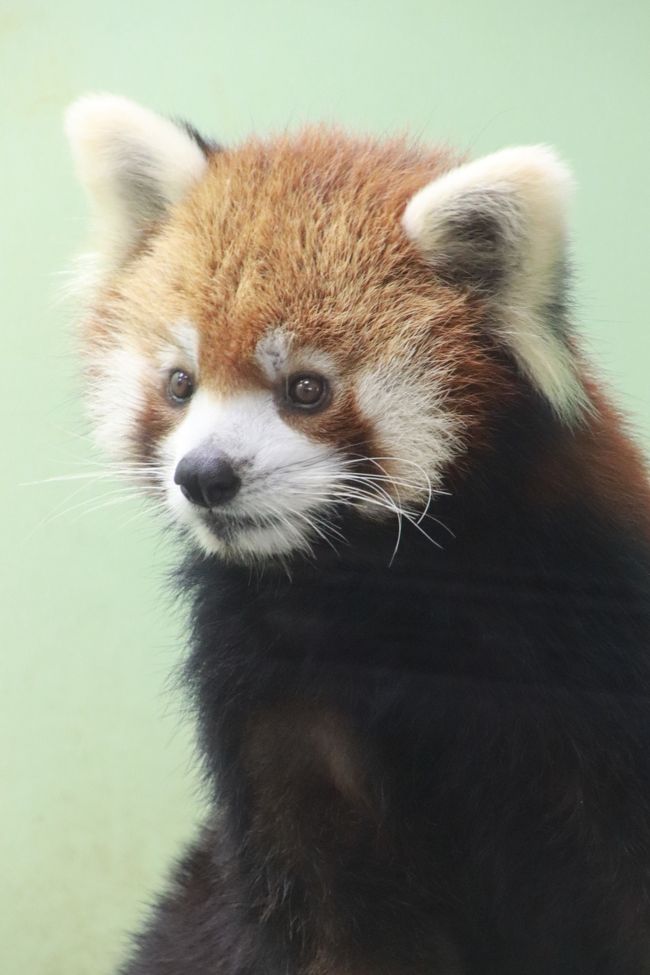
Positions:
{"x": 292, "y": 487}
{"x": 284, "y": 474}
{"x": 183, "y": 350}
{"x": 272, "y": 353}
{"x": 186, "y": 338}
{"x": 125, "y": 375}
{"x": 278, "y": 356}
{"x": 117, "y": 396}
{"x": 418, "y": 436}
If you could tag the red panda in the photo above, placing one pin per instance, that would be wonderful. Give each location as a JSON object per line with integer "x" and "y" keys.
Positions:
{"x": 417, "y": 551}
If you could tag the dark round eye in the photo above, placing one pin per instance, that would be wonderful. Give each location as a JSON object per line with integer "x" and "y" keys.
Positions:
{"x": 307, "y": 391}
{"x": 180, "y": 386}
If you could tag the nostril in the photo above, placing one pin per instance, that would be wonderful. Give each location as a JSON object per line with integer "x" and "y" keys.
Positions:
{"x": 207, "y": 479}
{"x": 187, "y": 477}
{"x": 220, "y": 482}
{"x": 194, "y": 496}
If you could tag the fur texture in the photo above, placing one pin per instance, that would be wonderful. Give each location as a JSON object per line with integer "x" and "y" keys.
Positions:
{"x": 420, "y": 628}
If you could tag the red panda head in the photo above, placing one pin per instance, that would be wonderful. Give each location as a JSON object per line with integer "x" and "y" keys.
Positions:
{"x": 291, "y": 329}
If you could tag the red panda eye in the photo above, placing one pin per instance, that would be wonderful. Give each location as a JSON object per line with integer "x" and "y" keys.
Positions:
{"x": 307, "y": 391}
{"x": 180, "y": 386}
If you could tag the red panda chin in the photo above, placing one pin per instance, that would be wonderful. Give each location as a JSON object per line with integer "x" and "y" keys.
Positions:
{"x": 248, "y": 541}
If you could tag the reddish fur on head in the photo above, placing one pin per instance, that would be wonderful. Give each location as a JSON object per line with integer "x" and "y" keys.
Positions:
{"x": 429, "y": 295}
{"x": 304, "y": 234}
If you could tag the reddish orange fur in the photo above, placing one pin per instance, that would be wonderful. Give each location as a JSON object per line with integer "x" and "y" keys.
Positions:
{"x": 598, "y": 465}
{"x": 305, "y": 233}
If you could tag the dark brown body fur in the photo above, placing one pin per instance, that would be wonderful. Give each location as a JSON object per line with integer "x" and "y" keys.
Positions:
{"x": 440, "y": 768}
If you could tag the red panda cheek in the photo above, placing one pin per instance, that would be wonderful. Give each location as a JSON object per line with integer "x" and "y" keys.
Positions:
{"x": 130, "y": 411}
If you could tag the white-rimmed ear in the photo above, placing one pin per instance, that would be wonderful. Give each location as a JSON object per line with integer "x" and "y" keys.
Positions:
{"x": 134, "y": 165}
{"x": 498, "y": 226}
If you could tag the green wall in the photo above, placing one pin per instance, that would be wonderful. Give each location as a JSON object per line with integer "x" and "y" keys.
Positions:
{"x": 97, "y": 787}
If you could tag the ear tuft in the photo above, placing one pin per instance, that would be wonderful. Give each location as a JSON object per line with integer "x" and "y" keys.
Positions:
{"x": 497, "y": 226}
{"x": 134, "y": 165}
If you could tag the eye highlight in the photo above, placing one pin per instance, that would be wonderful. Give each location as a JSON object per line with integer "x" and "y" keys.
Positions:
{"x": 307, "y": 391}
{"x": 180, "y": 386}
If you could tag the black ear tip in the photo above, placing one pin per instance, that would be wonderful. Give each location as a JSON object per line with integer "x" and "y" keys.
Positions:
{"x": 207, "y": 146}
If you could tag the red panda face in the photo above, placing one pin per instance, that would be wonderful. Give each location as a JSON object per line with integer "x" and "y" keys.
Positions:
{"x": 296, "y": 329}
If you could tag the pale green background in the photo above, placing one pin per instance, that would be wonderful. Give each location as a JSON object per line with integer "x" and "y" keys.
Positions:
{"x": 97, "y": 791}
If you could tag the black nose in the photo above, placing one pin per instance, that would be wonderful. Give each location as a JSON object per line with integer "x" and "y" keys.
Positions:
{"x": 208, "y": 479}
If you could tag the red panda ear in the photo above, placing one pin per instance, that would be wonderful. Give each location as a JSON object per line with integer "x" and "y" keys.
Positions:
{"x": 134, "y": 165}
{"x": 498, "y": 226}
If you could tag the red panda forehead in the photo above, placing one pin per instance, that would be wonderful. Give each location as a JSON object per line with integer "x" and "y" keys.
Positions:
{"x": 306, "y": 233}
{"x": 300, "y": 238}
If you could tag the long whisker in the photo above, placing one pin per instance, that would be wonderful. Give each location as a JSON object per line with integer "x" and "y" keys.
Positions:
{"x": 85, "y": 507}
{"x": 417, "y": 523}
{"x": 378, "y": 498}
{"x": 105, "y": 503}
{"x": 105, "y": 475}
{"x": 406, "y": 494}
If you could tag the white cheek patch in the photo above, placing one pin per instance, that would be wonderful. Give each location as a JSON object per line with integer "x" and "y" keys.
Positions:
{"x": 284, "y": 473}
{"x": 125, "y": 377}
{"x": 418, "y": 436}
{"x": 118, "y": 396}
